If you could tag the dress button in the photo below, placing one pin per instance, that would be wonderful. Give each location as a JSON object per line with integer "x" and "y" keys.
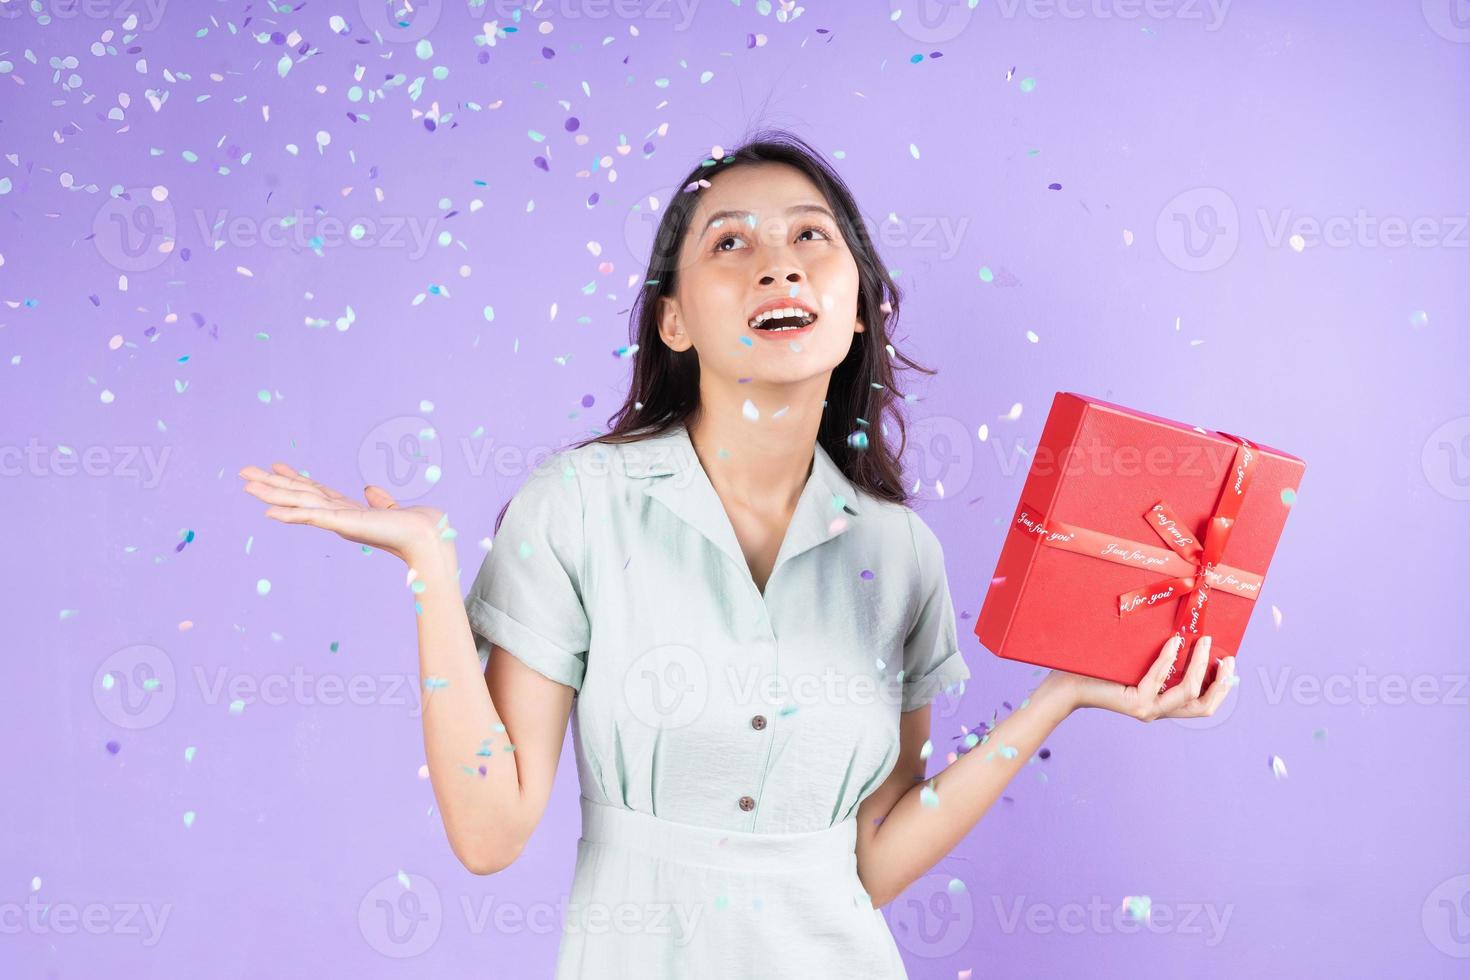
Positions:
{"x": 758, "y": 722}
{"x": 747, "y": 803}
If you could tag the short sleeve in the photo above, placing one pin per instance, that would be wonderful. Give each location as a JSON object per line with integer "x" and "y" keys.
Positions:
{"x": 527, "y": 596}
{"x": 931, "y": 651}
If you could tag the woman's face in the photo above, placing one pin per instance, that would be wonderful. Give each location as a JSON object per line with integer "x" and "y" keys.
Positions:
{"x": 762, "y": 234}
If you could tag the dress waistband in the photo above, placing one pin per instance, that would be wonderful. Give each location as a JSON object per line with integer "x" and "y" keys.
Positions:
{"x": 687, "y": 843}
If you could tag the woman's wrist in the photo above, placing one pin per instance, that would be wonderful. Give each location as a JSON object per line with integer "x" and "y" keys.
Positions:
{"x": 432, "y": 554}
{"x": 1059, "y": 690}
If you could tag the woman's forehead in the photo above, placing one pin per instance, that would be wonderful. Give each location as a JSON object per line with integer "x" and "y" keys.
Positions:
{"x": 763, "y": 190}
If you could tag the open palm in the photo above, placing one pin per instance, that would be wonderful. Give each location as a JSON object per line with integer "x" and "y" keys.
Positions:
{"x": 380, "y": 523}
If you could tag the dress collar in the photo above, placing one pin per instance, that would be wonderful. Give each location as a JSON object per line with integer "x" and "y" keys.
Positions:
{"x": 675, "y": 477}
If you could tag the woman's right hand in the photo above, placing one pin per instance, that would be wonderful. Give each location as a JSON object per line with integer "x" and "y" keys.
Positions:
{"x": 295, "y": 499}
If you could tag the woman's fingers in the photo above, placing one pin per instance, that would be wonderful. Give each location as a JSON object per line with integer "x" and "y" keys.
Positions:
{"x": 1212, "y": 698}
{"x": 379, "y": 498}
{"x": 1190, "y": 684}
{"x": 306, "y": 481}
{"x": 1154, "y": 679}
{"x": 275, "y": 493}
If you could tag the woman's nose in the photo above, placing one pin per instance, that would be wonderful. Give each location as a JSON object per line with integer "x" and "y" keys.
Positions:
{"x": 790, "y": 276}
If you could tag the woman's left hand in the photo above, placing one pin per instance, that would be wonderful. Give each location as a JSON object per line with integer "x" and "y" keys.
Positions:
{"x": 1145, "y": 702}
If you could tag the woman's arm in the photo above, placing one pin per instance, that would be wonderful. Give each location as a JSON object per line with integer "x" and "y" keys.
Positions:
{"x": 472, "y": 722}
{"x": 918, "y": 829}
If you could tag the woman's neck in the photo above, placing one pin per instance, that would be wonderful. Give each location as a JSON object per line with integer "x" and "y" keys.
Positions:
{"x": 763, "y": 463}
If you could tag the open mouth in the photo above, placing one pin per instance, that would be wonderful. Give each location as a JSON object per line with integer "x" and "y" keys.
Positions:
{"x": 783, "y": 319}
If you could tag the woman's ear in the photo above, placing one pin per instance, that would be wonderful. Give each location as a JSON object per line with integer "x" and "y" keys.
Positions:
{"x": 670, "y": 327}
{"x": 860, "y": 325}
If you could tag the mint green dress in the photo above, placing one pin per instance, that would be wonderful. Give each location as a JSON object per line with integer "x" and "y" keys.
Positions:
{"x": 724, "y": 738}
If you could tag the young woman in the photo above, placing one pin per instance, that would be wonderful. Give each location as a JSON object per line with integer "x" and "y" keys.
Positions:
{"x": 731, "y": 591}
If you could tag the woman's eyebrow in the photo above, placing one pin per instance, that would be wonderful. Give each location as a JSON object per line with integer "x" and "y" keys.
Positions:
{"x": 794, "y": 209}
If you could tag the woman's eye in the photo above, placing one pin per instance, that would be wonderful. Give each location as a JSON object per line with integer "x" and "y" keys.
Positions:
{"x": 719, "y": 244}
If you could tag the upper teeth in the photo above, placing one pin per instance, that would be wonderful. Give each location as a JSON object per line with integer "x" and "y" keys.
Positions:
{"x": 806, "y": 315}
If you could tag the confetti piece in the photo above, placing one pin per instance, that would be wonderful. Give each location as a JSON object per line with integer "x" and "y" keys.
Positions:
{"x": 1276, "y": 616}
{"x": 1127, "y": 237}
{"x": 1014, "y": 413}
{"x": 1297, "y": 242}
{"x": 263, "y": 586}
{"x": 1138, "y": 907}
{"x": 1288, "y": 496}
{"x": 188, "y": 818}
{"x": 1419, "y": 318}
{"x": 984, "y": 432}
{"x": 750, "y": 411}
{"x": 1278, "y": 767}
{"x": 986, "y": 275}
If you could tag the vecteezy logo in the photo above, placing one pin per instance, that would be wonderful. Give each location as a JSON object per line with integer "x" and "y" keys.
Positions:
{"x": 939, "y": 455}
{"x": 400, "y": 21}
{"x": 930, "y": 919}
{"x": 1446, "y": 916}
{"x": 640, "y": 229}
{"x": 1199, "y": 229}
{"x": 401, "y": 915}
{"x": 134, "y": 687}
{"x": 932, "y": 21}
{"x": 1450, "y": 19}
{"x": 1446, "y": 458}
{"x": 135, "y": 231}
{"x": 666, "y": 687}
{"x": 403, "y": 456}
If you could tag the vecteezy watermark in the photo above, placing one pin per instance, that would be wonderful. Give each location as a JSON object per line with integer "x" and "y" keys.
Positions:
{"x": 1445, "y": 916}
{"x": 1450, "y": 19}
{"x": 135, "y": 229}
{"x": 410, "y": 21}
{"x": 925, "y": 235}
{"x": 936, "y": 236}
{"x": 403, "y": 455}
{"x": 1363, "y": 229}
{"x": 1094, "y": 457}
{"x": 933, "y": 918}
{"x": 1201, "y": 229}
{"x": 1364, "y": 687}
{"x": 135, "y": 14}
{"x": 134, "y": 687}
{"x": 142, "y": 464}
{"x": 1102, "y": 916}
{"x": 35, "y": 917}
{"x": 1446, "y": 459}
{"x": 934, "y": 21}
{"x": 305, "y": 688}
{"x": 319, "y": 231}
{"x": 403, "y": 915}
{"x": 679, "y": 12}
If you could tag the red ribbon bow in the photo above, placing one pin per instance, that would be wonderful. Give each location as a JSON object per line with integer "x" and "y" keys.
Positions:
{"x": 1196, "y": 568}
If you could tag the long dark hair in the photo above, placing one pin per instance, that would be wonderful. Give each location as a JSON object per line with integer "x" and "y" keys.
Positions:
{"x": 861, "y": 394}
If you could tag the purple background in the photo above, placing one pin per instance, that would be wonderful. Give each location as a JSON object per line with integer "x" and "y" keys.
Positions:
{"x": 1205, "y": 136}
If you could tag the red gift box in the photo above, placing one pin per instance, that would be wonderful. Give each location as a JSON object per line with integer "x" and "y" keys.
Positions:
{"x": 1131, "y": 528}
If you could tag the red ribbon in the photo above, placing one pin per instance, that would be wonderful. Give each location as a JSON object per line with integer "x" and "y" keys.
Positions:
{"x": 1196, "y": 568}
